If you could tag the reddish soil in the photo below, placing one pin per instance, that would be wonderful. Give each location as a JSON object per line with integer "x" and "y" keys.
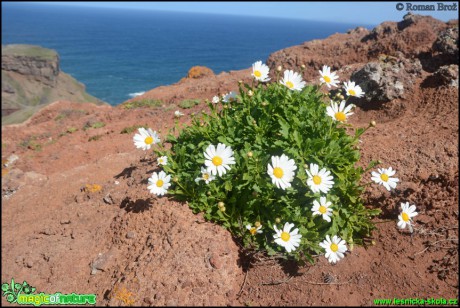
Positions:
{"x": 60, "y": 233}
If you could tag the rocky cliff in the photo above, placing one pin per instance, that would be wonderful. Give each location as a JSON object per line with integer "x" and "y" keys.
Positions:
{"x": 385, "y": 61}
{"x": 31, "y": 79}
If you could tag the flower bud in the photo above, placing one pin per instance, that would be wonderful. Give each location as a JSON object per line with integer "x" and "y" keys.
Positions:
{"x": 264, "y": 104}
{"x": 250, "y": 93}
{"x": 240, "y": 81}
{"x": 249, "y": 154}
{"x": 257, "y": 224}
{"x": 175, "y": 179}
{"x": 279, "y": 68}
{"x": 220, "y": 204}
{"x": 303, "y": 66}
{"x": 342, "y": 97}
{"x": 222, "y": 209}
{"x": 373, "y": 123}
{"x": 277, "y": 220}
{"x": 208, "y": 193}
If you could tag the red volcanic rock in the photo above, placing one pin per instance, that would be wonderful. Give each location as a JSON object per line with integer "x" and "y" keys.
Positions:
{"x": 199, "y": 72}
{"x": 413, "y": 37}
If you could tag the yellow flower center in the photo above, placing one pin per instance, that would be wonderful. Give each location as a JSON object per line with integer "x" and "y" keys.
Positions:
{"x": 351, "y": 92}
{"x": 384, "y": 177}
{"x": 285, "y": 236}
{"x": 205, "y": 176}
{"x": 326, "y": 79}
{"x": 160, "y": 183}
{"x": 217, "y": 161}
{"x": 148, "y": 140}
{"x": 405, "y": 217}
{"x": 253, "y": 230}
{"x": 334, "y": 247}
{"x": 278, "y": 172}
{"x": 340, "y": 116}
{"x": 317, "y": 179}
{"x": 289, "y": 84}
{"x": 257, "y": 73}
{"x": 322, "y": 209}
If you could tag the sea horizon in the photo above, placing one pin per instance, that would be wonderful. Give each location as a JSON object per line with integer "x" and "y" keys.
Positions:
{"x": 118, "y": 54}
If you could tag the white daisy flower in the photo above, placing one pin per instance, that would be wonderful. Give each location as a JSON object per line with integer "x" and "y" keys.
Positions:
{"x": 218, "y": 160}
{"x": 353, "y": 90}
{"x": 330, "y": 79}
{"x": 178, "y": 114}
{"x": 319, "y": 180}
{"x": 292, "y": 80}
{"x": 282, "y": 171}
{"x": 145, "y": 138}
{"x": 260, "y": 71}
{"x": 323, "y": 207}
{"x": 339, "y": 112}
{"x": 406, "y": 216}
{"x": 229, "y": 97}
{"x": 215, "y": 99}
{"x": 163, "y": 160}
{"x": 254, "y": 230}
{"x": 159, "y": 183}
{"x": 334, "y": 249}
{"x": 383, "y": 177}
{"x": 289, "y": 240}
{"x": 206, "y": 176}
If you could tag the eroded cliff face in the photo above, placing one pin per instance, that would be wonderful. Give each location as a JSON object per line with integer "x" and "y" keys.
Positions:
{"x": 38, "y": 63}
{"x": 31, "y": 79}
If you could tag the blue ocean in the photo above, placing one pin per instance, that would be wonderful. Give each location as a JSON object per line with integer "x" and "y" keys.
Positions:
{"x": 119, "y": 53}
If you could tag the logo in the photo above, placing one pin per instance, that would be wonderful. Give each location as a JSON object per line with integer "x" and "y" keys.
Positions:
{"x": 24, "y": 294}
{"x": 409, "y": 6}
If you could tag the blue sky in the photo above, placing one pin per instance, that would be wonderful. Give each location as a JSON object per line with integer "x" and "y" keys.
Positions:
{"x": 371, "y": 13}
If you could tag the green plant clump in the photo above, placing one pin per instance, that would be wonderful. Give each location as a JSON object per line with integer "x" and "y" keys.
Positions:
{"x": 131, "y": 129}
{"x": 150, "y": 103}
{"x": 188, "y": 103}
{"x": 266, "y": 121}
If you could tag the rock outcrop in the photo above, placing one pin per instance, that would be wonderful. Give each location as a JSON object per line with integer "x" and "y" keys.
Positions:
{"x": 384, "y": 61}
{"x": 413, "y": 37}
{"x": 31, "y": 79}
